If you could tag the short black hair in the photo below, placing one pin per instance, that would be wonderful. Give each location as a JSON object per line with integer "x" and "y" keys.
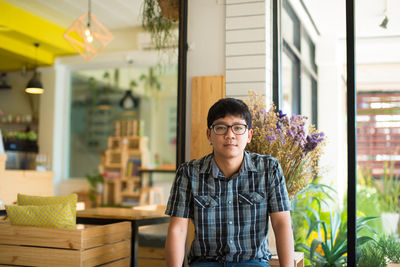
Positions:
{"x": 229, "y": 106}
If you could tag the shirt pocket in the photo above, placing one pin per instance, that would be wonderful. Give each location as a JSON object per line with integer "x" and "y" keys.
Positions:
{"x": 205, "y": 201}
{"x": 251, "y": 198}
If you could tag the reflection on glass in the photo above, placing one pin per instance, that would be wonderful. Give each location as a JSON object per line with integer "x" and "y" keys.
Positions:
{"x": 378, "y": 154}
{"x": 320, "y": 67}
{"x": 378, "y": 125}
{"x": 133, "y": 95}
{"x": 306, "y": 96}
{"x": 287, "y": 84}
{"x": 289, "y": 27}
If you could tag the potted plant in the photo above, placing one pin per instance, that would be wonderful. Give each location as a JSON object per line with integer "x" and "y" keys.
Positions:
{"x": 391, "y": 250}
{"x": 169, "y": 9}
{"x": 329, "y": 238}
{"x": 381, "y": 253}
{"x": 159, "y": 17}
{"x": 388, "y": 194}
{"x": 371, "y": 255}
{"x": 314, "y": 195}
{"x": 96, "y": 187}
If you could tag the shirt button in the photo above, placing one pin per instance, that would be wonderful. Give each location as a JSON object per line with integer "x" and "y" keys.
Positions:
{"x": 230, "y": 222}
{"x": 230, "y": 202}
{"x": 230, "y": 241}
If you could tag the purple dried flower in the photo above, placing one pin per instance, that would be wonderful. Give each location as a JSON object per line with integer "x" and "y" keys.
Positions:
{"x": 290, "y": 133}
{"x": 278, "y": 131}
{"x": 270, "y": 138}
{"x": 312, "y": 141}
{"x": 280, "y": 114}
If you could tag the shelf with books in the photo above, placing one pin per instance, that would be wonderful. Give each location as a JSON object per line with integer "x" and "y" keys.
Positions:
{"x": 121, "y": 166}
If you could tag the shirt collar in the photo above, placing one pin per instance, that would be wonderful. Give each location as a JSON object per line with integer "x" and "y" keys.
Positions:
{"x": 210, "y": 166}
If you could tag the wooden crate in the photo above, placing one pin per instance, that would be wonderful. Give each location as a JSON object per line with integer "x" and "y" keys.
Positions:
{"x": 151, "y": 257}
{"x": 105, "y": 245}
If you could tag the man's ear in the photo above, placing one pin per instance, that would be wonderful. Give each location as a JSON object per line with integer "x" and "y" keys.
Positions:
{"x": 249, "y": 135}
{"x": 208, "y": 133}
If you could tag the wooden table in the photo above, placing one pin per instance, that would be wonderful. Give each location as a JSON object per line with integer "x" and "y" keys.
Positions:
{"x": 136, "y": 217}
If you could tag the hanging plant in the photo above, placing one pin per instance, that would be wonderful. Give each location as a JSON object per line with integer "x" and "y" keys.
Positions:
{"x": 151, "y": 81}
{"x": 160, "y": 18}
{"x": 169, "y": 9}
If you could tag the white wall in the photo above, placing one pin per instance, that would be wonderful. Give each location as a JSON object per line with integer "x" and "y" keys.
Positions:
{"x": 46, "y": 131}
{"x": 248, "y": 48}
{"x": 206, "y": 54}
{"x": 332, "y": 112}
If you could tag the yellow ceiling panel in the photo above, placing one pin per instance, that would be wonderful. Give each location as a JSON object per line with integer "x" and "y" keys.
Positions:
{"x": 19, "y": 30}
{"x": 26, "y": 50}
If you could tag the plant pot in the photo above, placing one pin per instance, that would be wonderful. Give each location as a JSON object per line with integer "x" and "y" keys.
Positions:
{"x": 169, "y": 9}
{"x": 390, "y": 223}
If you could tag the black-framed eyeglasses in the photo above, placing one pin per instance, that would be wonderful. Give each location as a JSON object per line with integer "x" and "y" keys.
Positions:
{"x": 221, "y": 129}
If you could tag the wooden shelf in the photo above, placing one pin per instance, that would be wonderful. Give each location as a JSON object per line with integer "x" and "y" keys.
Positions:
{"x": 123, "y": 160}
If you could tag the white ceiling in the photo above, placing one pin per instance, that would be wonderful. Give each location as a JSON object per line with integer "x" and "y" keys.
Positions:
{"x": 330, "y": 15}
{"x": 113, "y": 14}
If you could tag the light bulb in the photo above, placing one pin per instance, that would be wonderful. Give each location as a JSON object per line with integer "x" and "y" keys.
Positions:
{"x": 89, "y": 35}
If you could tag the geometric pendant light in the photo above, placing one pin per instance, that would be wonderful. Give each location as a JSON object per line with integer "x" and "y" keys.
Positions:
{"x": 34, "y": 85}
{"x": 87, "y": 35}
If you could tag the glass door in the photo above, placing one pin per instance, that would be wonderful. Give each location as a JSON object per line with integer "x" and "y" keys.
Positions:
{"x": 378, "y": 128}
{"x": 314, "y": 85}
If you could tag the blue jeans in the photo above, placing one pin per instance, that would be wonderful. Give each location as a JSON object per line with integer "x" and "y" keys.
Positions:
{"x": 251, "y": 263}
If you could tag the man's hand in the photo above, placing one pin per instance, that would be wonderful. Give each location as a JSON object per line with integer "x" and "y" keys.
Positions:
{"x": 176, "y": 240}
{"x": 281, "y": 224}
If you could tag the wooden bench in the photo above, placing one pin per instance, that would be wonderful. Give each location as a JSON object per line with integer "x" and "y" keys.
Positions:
{"x": 298, "y": 260}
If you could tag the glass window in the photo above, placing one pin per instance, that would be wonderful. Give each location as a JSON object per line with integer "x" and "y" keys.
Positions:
{"x": 289, "y": 26}
{"x": 125, "y": 101}
{"x": 287, "y": 83}
{"x": 306, "y": 96}
{"x": 308, "y": 52}
{"x": 299, "y": 84}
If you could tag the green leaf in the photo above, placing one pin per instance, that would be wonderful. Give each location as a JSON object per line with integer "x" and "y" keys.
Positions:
{"x": 314, "y": 245}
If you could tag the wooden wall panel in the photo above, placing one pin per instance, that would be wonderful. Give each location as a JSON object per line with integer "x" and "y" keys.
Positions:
{"x": 206, "y": 90}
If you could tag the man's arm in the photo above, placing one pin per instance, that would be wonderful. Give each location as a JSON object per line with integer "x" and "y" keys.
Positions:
{"x": 281, "y": 225}
{"x": 176, "y": 240}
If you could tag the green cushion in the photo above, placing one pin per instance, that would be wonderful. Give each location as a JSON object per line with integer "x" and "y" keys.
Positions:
{"x": 23, "y": 200}
{"x": 54, "y": 216}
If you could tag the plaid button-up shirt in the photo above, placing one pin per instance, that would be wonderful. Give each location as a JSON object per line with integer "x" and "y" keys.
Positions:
{"x": 230, "y": 216}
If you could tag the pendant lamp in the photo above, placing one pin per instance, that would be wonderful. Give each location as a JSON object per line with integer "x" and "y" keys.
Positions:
{"x": 34, "y": 85}
{"x": 128, "y": 101}
{"x": 87, "y": 35}
{"x": 385, "y": 20}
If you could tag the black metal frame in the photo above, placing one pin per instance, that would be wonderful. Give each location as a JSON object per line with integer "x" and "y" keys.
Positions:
{"x": 276, "y": 54}
{"x": 351, "y": 136}
{"x": 182, "y": 65}
{"x": 351, "y": 115}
